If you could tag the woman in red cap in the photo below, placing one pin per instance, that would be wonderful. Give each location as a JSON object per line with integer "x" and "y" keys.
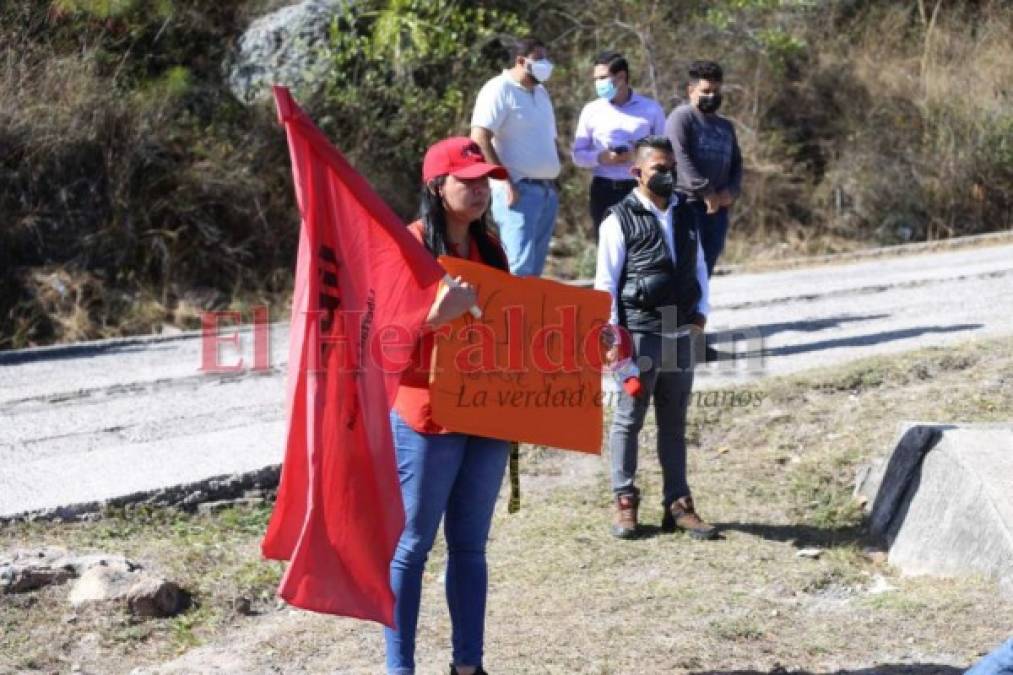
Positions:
{"x": 444, "y": 474}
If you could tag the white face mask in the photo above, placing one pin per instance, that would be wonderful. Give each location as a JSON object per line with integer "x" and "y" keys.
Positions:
{"x": 541, "y": 69}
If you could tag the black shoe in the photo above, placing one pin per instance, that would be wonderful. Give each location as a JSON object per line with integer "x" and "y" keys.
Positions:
{"x": 480, "y": 671}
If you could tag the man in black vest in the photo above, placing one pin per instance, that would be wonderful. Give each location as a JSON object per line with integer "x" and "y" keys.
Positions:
{"x": 651, "y": 263}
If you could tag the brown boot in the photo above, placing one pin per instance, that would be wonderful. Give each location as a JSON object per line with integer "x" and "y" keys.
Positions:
{"x": 625, "y": 524}
{"x": 682, "y": 515}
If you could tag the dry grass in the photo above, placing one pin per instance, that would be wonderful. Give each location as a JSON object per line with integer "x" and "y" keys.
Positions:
{"x": 132, "y": 179}
{"x": 216, "y": 557}
{"x": 935, "y": 142}
{"x": 565, "y": 597}
{"x": 129, "y": 167}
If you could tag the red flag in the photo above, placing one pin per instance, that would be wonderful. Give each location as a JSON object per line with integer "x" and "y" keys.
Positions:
{"x": 363, "y": 288}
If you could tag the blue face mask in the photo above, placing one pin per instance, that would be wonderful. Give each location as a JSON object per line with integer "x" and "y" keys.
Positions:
{"x": 606, "y": 88}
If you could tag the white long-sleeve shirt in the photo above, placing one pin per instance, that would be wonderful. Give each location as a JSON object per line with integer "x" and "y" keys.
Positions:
{"x": 603, "y": 125}
{"x": 612, "y": 255}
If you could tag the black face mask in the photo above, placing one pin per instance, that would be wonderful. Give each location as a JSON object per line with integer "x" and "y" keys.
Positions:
{"x": 662, "y": 184}
{"x": 709, "y": 103}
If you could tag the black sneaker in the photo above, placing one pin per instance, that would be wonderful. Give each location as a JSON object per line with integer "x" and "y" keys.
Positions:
{"x": 480, "y": 671}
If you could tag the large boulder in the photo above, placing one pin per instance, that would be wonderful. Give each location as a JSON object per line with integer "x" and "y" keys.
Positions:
{"x": 102, "y": 583}
{"x": 156, "y": 597}
{"x": 145, "y": 594}
{"x": 283, "y": 47}
{"x": 24, "y": 570}
{"x": 98, "y": 578}
{"x": 943, "y": 501}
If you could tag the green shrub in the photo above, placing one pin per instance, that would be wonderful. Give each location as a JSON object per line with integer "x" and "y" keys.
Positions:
{"x": 405, "y": 74}
{"x": 133, "y": 184}
{"x": 128, "y": 167}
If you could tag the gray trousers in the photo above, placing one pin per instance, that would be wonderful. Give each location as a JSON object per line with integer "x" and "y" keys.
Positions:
{"x": 668, "y": 383}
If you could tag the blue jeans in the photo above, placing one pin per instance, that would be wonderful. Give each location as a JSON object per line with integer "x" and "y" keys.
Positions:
{"x": 999, "y": 662}
{"x": 455, "y": 477}
{"x": 526, "y": 227}
{"x": 713, "y": 231}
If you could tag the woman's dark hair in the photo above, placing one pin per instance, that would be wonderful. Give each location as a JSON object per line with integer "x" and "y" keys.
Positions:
{"x": 434, "y": 225}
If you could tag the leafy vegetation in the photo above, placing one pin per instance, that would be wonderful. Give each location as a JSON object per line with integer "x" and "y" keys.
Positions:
{"x": 137, "y": 190}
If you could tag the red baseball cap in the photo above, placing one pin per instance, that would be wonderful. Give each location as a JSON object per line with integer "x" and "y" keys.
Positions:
{"x": 459, "y": 157}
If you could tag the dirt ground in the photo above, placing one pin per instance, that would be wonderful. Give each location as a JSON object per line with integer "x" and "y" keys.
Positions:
{"x": 565, "y": 597}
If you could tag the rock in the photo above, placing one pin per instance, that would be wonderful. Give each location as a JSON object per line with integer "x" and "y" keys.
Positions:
{"x": 31, "y": 569}
{"x": 26, "y": 570}
{"x": 193, "y": 498}
{"x": 941, "y": 502}
{"x": 283, "y": 47}
{"x": 14, "y": 580}
{"x": 146, "y": 595}
{"x": 101, "y": 584}
{"x": 207, "y": 508}
{"x": 243, "y": 605}
{"x": 809, "y": 553}
{"x": 83, "y": 563}
{"x": 155, "y": 597}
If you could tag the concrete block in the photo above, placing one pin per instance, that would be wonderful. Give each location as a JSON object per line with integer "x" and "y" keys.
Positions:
{"x": 943, "y": 501}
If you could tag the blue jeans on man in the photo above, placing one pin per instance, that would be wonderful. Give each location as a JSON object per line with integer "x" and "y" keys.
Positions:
{"x": 713, "y": 231}
{"x": 998, "y": 662}
{"x": 526, "y": 227}
{"x": 455, "y": 477}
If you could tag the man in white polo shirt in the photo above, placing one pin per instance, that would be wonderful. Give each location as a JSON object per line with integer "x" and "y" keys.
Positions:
{"x": 515, "y": 126}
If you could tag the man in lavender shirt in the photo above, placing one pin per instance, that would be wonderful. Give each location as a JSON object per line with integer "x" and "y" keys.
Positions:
{"x": 606, "y": 131}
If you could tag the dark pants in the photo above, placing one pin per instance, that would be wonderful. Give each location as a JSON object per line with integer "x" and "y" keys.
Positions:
{"x": 669, "y": 383}
{"x": 605, "y": 193}
{"x": 713, "y": 231}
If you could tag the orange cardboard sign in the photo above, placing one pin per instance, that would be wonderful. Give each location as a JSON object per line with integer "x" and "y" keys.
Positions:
{"x": 529, "y": 369}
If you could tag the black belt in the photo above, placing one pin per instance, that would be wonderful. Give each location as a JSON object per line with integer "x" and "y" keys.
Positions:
{"x": 547, "y": 182}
